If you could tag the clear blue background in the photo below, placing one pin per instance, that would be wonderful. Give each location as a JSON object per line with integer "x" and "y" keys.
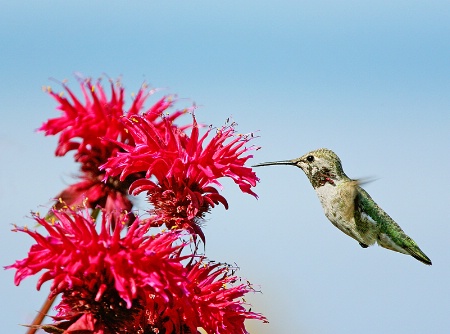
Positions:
{"x": 370, "y": 80}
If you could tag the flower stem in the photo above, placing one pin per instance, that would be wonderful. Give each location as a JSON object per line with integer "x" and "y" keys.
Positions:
{"x": 41, "y": 315}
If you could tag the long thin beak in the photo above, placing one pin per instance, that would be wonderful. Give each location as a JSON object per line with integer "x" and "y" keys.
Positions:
{"x": 282, "y": 162}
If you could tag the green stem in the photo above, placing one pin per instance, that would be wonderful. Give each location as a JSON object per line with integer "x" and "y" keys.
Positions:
{"x": 95, "y": 213}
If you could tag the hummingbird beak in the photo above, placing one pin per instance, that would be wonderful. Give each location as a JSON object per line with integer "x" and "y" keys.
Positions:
{"x": 282, "y": 162}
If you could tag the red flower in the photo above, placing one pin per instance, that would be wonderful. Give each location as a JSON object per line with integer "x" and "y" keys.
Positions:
{"x": 74, "y": 250}
{"x": 103, "y": 276}
{"x": 216, "y": 299}
{"x": 186, "y": 168}
{"x": 117, "y": 281}
{"x": 90, "y": 129}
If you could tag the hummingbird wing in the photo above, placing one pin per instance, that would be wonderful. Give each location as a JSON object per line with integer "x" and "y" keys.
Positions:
{"x": 390, "y": 234}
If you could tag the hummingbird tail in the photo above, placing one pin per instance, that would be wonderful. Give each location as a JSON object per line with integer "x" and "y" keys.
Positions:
{"x": 416, "y": 253}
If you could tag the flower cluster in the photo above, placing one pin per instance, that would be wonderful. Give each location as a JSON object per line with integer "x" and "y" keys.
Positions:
{"x": 184, "y": 171}
{"x": 113, "y": 273}
{"x": 126, "y": 281}
{"x": 89, "y": 129}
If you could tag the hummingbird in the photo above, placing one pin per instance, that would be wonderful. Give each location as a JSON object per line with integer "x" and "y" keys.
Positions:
{"x": 349, "y": 207}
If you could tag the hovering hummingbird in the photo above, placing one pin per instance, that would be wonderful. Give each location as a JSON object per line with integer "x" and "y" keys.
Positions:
{"x": 349, "y": 207}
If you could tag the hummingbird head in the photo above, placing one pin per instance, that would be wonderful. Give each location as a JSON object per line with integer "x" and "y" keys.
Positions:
{"x": 320, "y": 166}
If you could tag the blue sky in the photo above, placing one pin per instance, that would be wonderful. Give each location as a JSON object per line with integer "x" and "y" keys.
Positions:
{"x": 370, "y": 80}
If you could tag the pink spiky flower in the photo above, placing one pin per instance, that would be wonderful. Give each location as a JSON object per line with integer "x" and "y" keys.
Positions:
{"x": 185, "y": 168}
{"x": 126, "y": 281}
{"x": 89, "y": 129}
{"x": 216, "y": 298}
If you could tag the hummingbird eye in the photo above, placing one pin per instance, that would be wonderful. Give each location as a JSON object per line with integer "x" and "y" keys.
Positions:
{"x": 310, "y": 158}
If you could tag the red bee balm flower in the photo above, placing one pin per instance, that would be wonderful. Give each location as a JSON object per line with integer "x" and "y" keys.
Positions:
{"x": 126, "y": 281}
{"x": 215, "y": 299}
{"x": 186, "y": 169}
{"x": 90, "y": 130}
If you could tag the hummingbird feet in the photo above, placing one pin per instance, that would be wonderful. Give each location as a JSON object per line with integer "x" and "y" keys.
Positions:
{"x": 363, "y": 245}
